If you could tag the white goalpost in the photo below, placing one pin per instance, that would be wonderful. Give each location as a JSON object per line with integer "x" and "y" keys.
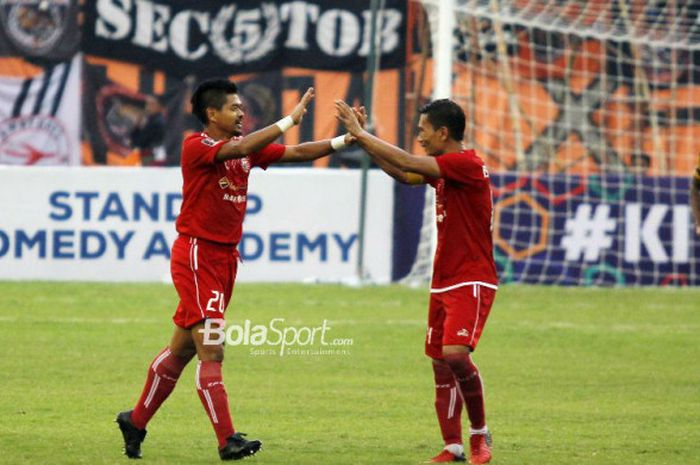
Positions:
{"x": 442, "y": 24}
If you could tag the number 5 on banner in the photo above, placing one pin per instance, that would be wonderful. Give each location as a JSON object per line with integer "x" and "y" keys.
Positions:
{"x": 218, "y": 297}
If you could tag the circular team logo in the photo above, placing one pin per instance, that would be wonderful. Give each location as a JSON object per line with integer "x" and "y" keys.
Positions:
{"x": 35, "y": 27}
{"x": 33, "y": 140}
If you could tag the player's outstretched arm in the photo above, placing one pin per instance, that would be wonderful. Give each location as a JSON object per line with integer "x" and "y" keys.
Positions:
{"x": 309, "y": 151}
{"x": 396, "y": 162}
{"x": 255, "y": 141}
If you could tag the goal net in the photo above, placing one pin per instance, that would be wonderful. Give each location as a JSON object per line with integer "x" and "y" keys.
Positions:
{"x": 588, "y": 115}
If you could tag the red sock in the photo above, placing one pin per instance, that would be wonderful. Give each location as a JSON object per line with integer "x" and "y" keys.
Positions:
{"x": 469, "y": 381}
{"x": 162, "y": 377}
{"x": 212, "y": 393}
{"x": 448, "y": 404}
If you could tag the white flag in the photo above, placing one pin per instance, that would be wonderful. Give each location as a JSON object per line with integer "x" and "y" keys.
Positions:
{"x": 40, "y": 117}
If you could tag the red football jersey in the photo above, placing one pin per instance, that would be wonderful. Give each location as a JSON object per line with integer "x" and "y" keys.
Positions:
{"x": 215, "y": 194}
{"x": 464, "y": 214}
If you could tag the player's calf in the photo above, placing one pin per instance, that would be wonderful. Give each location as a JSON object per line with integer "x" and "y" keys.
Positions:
{"x": 469, "y": 381}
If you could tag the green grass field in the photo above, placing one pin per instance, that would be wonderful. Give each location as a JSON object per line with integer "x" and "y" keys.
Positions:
{"x": 573, "y": 376}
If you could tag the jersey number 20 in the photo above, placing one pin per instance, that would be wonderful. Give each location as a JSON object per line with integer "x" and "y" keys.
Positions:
{"x": 218, "y": 298}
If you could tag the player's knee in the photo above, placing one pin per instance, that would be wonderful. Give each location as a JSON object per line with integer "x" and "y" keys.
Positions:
{"x": 212, "y": 353}
{"x": 461, "y": 365}
{"x": 442, "y": 373}
{"x": 184, "y": 353}
{"x": 449, "y": 350}
{"x": 208, "y": 349}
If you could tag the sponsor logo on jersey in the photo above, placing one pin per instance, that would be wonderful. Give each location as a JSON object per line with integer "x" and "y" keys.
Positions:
{"x": 35, "y": 26}
{"x": 236, "y": 198}
{"x": 224, "y": 182}
{"x": 463, "y": 332}
{"x": 209, "y": 141}
{"x": 32, "y": 140}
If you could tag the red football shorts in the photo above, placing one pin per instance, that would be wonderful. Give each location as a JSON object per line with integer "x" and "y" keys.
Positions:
{"x": 457, "y": 317}
{"x": 203, "y": 273}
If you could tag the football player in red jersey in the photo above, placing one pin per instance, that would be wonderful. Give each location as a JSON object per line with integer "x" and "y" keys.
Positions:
{"x": 215, "y": 168}
{"x": 464, "y": 279}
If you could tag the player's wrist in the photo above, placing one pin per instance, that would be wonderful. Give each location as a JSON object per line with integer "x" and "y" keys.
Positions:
{"x": 285, "y": 123}
{"x": 357, "y": 135}
{"x": 338, "y": 143}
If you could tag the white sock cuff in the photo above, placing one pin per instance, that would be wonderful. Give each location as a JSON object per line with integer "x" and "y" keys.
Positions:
{"x": 483, "y": 430}
{"x": 455, "y": 449}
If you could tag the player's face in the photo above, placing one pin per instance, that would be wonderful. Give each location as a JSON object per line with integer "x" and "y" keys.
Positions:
{"x": 230, "y": 117}
{"x": 432, "y": 141}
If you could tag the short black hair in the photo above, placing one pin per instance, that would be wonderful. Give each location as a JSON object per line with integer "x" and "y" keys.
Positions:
{"x": 445, "y": 112}
{"x": 211, "y": 94}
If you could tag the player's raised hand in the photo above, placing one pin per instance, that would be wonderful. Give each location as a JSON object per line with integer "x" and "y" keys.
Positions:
{"x": 346, "y": 115}
{"x": 300, "y": 110}
{"x": 361, "y": 116}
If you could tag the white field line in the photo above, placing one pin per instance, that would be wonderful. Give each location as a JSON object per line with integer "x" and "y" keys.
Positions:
{"x": 122, "y": 321}
{"x": 77, "y": 320}
{"x": 647, "y": 328}
{"x": 371, "y": 322}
